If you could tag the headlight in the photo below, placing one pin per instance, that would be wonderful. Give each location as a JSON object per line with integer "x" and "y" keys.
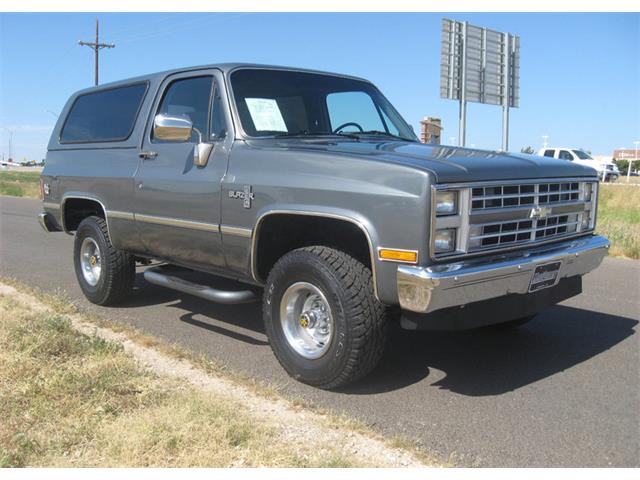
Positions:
{"x": 445, "y": 240}
{"x": 446, "y": 202}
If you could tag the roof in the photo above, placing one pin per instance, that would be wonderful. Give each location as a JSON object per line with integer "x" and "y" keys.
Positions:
{"x": 562, "y": 148}
{"x": 224, "y": 67}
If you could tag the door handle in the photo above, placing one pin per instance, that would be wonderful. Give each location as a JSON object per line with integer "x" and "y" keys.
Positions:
{"x": 148, "y": 155}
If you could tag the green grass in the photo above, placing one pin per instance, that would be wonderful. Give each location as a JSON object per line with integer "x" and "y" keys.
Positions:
{"x": 619, "y": 218}
{"x": 20, "y": 184}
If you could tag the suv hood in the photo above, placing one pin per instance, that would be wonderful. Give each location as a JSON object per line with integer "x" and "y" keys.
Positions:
{"x": 447, "y": 164}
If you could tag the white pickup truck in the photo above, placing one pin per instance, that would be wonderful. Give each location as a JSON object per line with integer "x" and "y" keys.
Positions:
{"x": 607, "y": 171}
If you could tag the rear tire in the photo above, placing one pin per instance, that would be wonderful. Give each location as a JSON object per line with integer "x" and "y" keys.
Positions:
{"x": 324, "y": 324}
{"x": 105, "y": 274}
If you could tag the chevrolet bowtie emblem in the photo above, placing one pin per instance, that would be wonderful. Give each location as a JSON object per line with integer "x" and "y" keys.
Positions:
{"x": 540, "y": 212}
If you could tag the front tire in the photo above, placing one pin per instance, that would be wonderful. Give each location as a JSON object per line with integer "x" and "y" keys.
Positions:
{"x": 324, "y": 324}
{"x": 105, "y": 274}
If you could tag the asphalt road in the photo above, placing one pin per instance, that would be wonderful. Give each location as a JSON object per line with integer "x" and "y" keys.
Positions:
{"x": 561, "y": 391}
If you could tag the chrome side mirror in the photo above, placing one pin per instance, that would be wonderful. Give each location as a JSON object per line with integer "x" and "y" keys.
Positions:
{"x": 173, "y": 128}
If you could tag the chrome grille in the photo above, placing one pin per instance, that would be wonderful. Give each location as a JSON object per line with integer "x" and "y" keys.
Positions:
{"x": 496, "y": 234}
{"x": 502, "y": 196}
{"x": 496, "y": 216}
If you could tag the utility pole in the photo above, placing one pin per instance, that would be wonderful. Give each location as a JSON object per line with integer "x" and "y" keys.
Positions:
{"x": 545, "y": 139}
{"x": 96, "y": 47}
{"x": 10, "y": 144}
{"x": 635, "y": 160}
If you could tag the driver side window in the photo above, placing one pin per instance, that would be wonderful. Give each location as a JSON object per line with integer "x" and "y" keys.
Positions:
{"x": 353, "y": 108}
{"x": 189, "y": 97}
{"x": 564, "y": 155}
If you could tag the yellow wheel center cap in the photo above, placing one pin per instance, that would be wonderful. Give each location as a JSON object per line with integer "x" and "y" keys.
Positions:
{"x": 93, "y": 260}
{"x": 304, "y": 321}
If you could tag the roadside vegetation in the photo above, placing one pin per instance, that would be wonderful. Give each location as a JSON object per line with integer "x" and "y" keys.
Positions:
{"x": 20, "y": 184}
{"x": 619, "y": 218}
{"x": 69, "y": 396}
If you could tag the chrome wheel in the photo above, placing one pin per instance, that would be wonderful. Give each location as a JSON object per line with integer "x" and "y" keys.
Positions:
{"x": 306, "y": 320}
{"x": 90, "y": 261}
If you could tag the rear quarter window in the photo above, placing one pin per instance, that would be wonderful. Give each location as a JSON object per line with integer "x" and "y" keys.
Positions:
{"x": 103, "y": 116}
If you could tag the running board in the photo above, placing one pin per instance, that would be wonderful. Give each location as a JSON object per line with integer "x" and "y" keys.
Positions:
{"x": 155, "y": 276}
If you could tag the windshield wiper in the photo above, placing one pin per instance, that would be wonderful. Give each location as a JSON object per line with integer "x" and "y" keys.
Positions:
{"x": 386, "y": 134}
{"x": 307, "y": 133}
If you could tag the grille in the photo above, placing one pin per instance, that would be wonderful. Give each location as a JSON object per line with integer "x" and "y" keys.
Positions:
{"x": 503, "y": 196}
{"x": 499, "y": 216}
{"x": 496, "y": 234}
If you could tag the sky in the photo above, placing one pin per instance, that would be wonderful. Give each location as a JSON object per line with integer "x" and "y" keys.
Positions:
{"x": 579, "y": 72}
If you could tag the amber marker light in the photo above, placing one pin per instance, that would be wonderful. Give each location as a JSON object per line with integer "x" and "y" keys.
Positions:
{"x": 408, "y": 256}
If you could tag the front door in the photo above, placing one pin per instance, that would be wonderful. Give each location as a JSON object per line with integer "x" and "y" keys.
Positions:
{"x": 177, "y": 203}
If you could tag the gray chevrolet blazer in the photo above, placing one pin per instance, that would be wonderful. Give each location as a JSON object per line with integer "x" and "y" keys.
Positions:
{"x": 309, "y": 190}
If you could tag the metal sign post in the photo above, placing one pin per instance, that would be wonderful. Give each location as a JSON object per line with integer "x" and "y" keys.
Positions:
{"x": 506, "y": 94}
{"x": 479, "y": 65}
{"x": 462, "y": 137}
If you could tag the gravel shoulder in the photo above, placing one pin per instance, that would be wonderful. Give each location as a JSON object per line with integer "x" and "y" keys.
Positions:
{"x": 303, "y": 437}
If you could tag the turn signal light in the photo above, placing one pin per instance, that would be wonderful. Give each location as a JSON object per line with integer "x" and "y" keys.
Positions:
{"x": 398, "y": 255}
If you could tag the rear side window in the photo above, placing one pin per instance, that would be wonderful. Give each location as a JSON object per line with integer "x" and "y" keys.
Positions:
{"x": 103, "y": 116}
{"x": 549, "y": 153}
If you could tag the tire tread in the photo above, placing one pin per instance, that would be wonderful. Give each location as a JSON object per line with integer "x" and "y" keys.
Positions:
{"x": 367, "y": 317}
{"x": 120, "y": 271}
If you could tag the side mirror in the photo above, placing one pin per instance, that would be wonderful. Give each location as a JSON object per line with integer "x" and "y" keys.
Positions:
{"x": 173, "y": 128}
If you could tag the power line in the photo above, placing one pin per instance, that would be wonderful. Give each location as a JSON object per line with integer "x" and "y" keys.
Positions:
{"x": 96, "y": 47}
{"x": 176, "y": 27}
{"x": 185, "y": 24}
{"x": 115, "y": 34}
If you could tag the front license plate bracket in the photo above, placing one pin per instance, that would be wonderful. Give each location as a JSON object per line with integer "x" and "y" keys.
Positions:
{"x": 545, "y": 276}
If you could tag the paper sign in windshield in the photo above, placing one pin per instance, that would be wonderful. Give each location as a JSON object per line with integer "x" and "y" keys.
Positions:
{"x": 266, "y": 115}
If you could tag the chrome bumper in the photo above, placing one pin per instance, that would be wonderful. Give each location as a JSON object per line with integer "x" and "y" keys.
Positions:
{"x": 426, "y": 289}
{"x": 45, "y": 221}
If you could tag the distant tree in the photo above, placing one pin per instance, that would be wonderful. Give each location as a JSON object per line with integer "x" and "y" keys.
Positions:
{"x": 528, "y": 150}
{"x": 622, "y": 164}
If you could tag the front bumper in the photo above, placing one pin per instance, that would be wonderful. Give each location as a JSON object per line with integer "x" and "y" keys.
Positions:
{"x": 427, "y": 289}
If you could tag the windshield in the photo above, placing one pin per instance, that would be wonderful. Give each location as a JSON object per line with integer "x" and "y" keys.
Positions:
{"x": 289, "y": 103}
{"x": 582, "y": 155}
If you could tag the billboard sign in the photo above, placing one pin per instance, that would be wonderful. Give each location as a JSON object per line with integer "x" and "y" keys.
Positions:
{"x": 479, "y": 65}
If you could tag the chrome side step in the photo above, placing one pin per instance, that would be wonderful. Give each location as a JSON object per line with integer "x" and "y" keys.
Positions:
{"x": 156, "y": 276}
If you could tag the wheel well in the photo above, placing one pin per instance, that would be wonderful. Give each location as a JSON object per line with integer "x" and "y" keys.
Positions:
{"x": 281, "y": 233}
{"x": 77, "y": 209}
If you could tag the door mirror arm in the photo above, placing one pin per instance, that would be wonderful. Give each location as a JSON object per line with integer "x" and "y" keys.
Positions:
{"x": 201, "y": 150}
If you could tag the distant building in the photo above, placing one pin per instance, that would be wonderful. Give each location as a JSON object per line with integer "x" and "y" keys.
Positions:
{"x": 626, "y": 154}
{"x": 431, "y": 130}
